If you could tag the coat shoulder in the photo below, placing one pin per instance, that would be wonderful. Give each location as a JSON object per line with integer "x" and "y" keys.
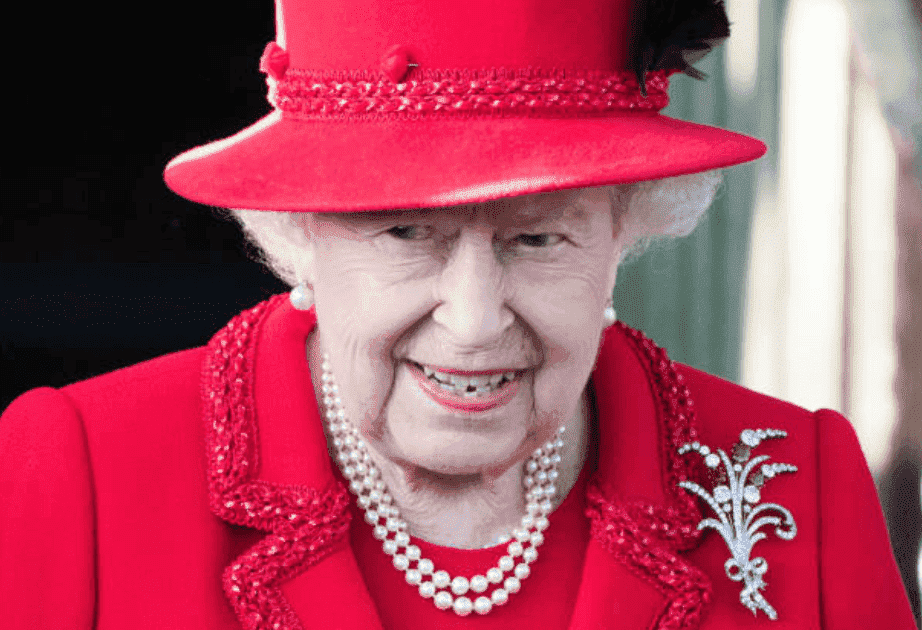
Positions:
{"x": 152, "y": 382}
{"x": 723, "y": 409}
{"x": 146, "y": 404}
{"x": 141, "y": 406}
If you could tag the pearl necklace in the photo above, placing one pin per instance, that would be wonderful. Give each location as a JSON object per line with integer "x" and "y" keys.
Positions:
{"x": 384, "y": 516}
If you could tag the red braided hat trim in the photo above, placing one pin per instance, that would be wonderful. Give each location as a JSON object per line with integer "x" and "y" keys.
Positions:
{"x": 304, "y": 94}
{"x": 305, "y": 524}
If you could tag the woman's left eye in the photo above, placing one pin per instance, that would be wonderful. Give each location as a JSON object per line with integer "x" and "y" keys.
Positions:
{"x": 410, "y": 232}
{"x": 539, "y": 240}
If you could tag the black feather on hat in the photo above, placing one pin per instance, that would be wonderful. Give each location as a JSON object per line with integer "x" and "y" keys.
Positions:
{"x": 674, "y": 34}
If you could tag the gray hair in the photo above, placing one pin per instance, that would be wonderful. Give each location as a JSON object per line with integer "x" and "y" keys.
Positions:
{"x": 645, "y": 213}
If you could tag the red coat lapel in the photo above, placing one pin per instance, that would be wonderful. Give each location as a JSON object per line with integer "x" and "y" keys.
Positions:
{"x": 269, "y": 469}
{"x": 633, "y": 576}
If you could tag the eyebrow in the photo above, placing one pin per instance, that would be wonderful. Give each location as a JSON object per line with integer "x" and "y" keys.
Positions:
{"x": 557, "y": 211}
{"x": 560, "y": 208}
{"x": 377, "y": 217}
{"x": 551, "y": 211}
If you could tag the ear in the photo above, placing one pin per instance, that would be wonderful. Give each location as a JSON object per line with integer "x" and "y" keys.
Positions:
{"x": 622, "y": 238}
{"x": 306, "y": 262}
{"x": 621, "y": 242}
{"x": 310, "y": 272}
{"x": 613, "y": 265}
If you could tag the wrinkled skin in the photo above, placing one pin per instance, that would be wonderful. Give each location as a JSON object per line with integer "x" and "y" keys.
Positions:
{"x": 518, "y": 283}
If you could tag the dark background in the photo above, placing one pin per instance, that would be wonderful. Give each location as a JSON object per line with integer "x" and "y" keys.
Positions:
{"x": 101, "y": 265}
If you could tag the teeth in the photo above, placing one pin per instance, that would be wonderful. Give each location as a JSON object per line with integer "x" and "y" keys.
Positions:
{"x": 459, "y": 385}
{"x": 463, "y": 382}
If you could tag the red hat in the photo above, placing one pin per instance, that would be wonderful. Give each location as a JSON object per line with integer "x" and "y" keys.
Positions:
{"x": 387, "y": 104}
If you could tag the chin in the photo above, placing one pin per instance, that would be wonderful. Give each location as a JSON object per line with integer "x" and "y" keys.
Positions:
{"x": 458, "y": 453}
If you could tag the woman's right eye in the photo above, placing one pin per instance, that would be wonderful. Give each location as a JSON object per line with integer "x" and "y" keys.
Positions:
{"x": 410, "y": 232}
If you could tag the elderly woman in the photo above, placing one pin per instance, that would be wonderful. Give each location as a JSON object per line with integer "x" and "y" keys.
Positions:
{"x": 450, "y": 189}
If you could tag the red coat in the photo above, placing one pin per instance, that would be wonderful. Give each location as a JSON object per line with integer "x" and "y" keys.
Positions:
{"x": 195, "y": 491}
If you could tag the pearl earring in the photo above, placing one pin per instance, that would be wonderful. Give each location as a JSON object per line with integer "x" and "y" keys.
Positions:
{"x": 302, "y": 297}
{"x": 609, "y": 314}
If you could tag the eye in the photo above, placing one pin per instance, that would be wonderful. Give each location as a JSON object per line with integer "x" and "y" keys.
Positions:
{"x": 539, "y": 240}
{"x": 410, "y": 232}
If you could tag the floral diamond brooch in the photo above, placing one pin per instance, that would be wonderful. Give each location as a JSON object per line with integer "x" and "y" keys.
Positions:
{"x": 735, "y": 500}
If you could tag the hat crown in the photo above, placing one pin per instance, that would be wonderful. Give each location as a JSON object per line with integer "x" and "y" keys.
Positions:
{"x": 393, "y": 104}
{"x": 354, "y": 35}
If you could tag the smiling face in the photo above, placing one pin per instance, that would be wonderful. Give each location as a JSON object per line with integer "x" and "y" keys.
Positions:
{"x": 461, "y": 338}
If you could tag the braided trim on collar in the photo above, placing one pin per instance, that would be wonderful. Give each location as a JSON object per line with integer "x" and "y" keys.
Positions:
{"x": 647, "y": 537}
{"x": 304, "y": 524}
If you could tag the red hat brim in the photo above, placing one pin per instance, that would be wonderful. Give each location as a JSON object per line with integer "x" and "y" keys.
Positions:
{"x": 359, "y": 165}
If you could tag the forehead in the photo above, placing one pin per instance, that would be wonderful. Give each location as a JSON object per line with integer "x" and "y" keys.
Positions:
{"x": 579, "y": 205}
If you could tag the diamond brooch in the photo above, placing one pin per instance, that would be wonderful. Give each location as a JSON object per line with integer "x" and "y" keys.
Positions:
{"x": 735, "y": 500}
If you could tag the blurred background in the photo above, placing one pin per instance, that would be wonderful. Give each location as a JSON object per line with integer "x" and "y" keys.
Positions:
{"x": 804, "y": 281}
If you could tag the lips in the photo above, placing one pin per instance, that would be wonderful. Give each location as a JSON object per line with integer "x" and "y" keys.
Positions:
{"x": 468, "y": 391}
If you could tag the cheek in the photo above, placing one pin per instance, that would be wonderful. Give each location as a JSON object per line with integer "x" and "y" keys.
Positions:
{"x": 360, "y": 321}
{"x": 364, "y": 286}
{"x": 566, "y": 315}
{"x": 564, "y": 309}
{"x": 559, "y": 384}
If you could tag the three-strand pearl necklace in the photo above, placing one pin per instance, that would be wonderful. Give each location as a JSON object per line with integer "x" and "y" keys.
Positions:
{"x": 383, "y": 515}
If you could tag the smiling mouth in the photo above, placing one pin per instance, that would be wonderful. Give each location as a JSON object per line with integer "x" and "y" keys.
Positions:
{"x": 468, "y": 384}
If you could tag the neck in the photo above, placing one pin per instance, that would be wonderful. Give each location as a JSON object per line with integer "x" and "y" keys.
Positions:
{"x": 468, "y": 511}
{"x": 457, "y": 511}
{"x": 471, "y": 511}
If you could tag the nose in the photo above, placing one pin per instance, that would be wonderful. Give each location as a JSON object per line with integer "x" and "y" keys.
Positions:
{"x": 472, "y": 299}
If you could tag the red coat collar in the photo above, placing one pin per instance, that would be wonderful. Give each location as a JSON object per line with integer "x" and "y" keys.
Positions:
{"x": 268, "y": 468}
